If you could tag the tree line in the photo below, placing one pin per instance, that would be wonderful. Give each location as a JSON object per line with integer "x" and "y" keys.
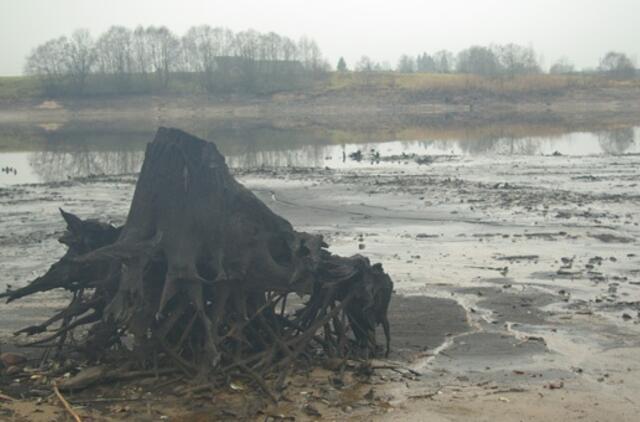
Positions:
{"x": 495, "y": 60}
{"x": 218, "y": 60}
{"x": 149, "y": 59}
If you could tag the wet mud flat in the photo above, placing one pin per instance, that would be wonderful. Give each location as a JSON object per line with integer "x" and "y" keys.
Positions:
{"x": 517, "y": 278}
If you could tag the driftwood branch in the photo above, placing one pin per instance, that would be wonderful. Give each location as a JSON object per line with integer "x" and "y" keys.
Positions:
{"x": 66, "y": 404}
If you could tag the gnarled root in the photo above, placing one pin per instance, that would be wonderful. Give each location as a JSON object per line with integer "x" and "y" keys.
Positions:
{"x": 200, "y": 278}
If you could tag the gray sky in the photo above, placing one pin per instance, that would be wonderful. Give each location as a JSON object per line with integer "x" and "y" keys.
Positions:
{"x": 583, "y": 30}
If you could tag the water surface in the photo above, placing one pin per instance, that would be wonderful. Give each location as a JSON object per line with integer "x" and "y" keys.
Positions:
{"x": 45, "y": 153}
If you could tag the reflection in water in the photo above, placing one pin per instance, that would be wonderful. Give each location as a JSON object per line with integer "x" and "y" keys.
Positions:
{"x": 616, "y": 141}
{"x": 60, "y": 165}
{"x": 77, "y": 151}
{"x": 308, "y": 156}
{"x": 495, "y": 146}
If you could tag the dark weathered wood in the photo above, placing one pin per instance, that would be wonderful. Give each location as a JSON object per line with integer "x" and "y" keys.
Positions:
{"x": 195, "y": 275}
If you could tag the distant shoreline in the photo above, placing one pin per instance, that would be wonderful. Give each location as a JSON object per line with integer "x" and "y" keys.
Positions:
{"x": 352, "y": 99}
{"x": 342, "y": 107}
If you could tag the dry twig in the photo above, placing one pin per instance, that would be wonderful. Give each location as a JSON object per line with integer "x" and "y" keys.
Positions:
{"x": 66, "y": 404}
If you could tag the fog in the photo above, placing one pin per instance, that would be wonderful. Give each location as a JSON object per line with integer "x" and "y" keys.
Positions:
{"x": 581, "y": 30}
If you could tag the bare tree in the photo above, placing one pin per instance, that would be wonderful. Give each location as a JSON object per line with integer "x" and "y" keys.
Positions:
{"x": 271, "y": 53}
{"x": 310, "y": 56}
{"x": 444, "y": 61}
{"x": 114, "y": 52}
{"x": 247, "y": 44}
{"x": 617, "y": 65}
{"x": 289, "y": 50}
{"x": 200, "y": 47}
{"x": 48, "y": 63}
{"x": 478, "y": 60}
{"x": 365, "y": 64}
{"x": 80, "y": 56}
{"x": 517, "y": 60}
{"x": 342, "y": 65}
{"x": 216, "y": 56}
{"x": 163, "y": 51}
{"x": 562, "y": 66}
{"x": 406, "y": 64}
{"x": 141, "y": 53}
{"x": 425, "y": 63}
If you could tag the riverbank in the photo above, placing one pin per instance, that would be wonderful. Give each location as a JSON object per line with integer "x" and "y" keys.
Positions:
{"x": 353, "y": 99}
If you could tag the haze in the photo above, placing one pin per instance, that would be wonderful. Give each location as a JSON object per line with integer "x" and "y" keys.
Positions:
{"x": 581, "y": 30}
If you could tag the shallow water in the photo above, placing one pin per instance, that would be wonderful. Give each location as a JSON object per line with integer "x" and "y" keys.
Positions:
{"x": 32, "y": 154}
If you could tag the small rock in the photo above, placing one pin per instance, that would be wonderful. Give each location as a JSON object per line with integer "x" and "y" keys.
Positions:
{"x": 334, "y": 364}
{"x": 555, "y": 385}
{"x": 370, "y": 394}
{"x": 11, "y": 359}
{"x": 311, "y": 411}
{"x": 626, "y": 317}
{"x": 13, "y": 370}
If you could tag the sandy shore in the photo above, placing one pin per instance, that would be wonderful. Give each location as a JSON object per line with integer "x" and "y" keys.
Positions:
{"x": 517, "y": 278}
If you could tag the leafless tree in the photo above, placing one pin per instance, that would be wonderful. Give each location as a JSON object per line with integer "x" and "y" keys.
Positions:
{"x": 425, "y": 63}
{"x": 562, "y": 66}
{"x": 365, "y": 64}
{"x": 289, "y": 50}
{"x": 114, "y": 51}
{"x": 310, "y": 56}
{"x": 444, "y": 61}
{"x": 478, "y": 60}
{"x": 342, "y": 65}
{"x": 221, "y": 60}
{"x": 80, "y": 56}
{"x": 200, "y": 48}
{"x": 140, "y": 47}
{"x": 516, "y": 60}
{"x": 616, "y": 65}
{"x": 48, "y": 63}
{"x": 164, "y": 49}
{"x": 406, "y": 64}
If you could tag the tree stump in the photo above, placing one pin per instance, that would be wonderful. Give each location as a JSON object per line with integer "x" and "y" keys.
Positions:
{"x": 199, "y": 277}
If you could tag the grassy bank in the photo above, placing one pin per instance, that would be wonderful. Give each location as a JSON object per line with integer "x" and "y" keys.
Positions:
{"x": 13, "y": 88}
{"x": 445, "y": 85}
{"x": 461, "y": 84}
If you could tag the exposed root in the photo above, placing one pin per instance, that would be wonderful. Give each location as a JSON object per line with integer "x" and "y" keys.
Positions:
{"x": 201, "y": 277}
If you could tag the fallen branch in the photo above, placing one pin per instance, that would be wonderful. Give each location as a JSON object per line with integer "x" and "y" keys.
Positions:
{"x": 6, "y": 398}
{"x": 425, "y": 395}
{"x": 66, "y": 404}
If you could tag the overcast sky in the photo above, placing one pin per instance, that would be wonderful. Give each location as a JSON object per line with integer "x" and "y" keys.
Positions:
{"x": 583, "y": 30}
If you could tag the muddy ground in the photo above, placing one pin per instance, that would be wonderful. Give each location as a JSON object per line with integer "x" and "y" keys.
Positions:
{"x": 517, "y": 283}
